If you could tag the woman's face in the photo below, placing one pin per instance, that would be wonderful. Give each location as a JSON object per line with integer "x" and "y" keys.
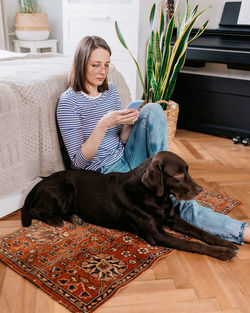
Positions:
{"x": 97, "y": 68}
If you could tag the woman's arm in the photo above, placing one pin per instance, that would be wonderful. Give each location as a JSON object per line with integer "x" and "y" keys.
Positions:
{"x": 126, "y": 130}
{"x": 90, "y": 146}
{"x": 110, "y": 119}
{"x": 70, "y": 124}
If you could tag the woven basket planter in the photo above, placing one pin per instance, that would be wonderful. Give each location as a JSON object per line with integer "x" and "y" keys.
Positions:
{"x": 32, "y": 26}
{"x": 171, "y": 114}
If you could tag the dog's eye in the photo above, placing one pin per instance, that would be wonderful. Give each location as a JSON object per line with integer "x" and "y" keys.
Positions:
{"x": 179, "y": 176}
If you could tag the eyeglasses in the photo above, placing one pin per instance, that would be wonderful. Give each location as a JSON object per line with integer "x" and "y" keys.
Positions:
{"x": 99, "y": 67}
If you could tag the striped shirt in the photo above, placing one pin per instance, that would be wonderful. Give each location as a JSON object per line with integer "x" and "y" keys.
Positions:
{"x": 77, "y": 116}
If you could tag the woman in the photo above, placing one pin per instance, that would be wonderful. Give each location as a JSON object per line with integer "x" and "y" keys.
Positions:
{"x": 100, "y": 136}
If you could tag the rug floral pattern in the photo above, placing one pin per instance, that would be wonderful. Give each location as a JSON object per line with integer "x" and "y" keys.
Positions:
{"x": 83, "y": 266}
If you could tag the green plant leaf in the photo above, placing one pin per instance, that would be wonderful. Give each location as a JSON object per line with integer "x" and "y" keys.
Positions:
{"x": 187, "y": 11}
{"x": 178, "y": 25}
{"x": 185, "y": 21}
{"x": 166, "y": 55}
{"x": 172, "y": 81}
{"x": 179, "y": 44}
{"x": 164, "y": 61}
{"x": 153, "y": 88}
{"x": 194, "y": 10}
{"x": 161, "y": 22}
{"x": 176, "y": 51}
{"x": 150, "y": 61}
{"x": 200, "y": 31}
{"x": 140, "y": 75}
{"x": 151, "y": 17}
{"x": 158, "y": 55}
{"x": 122, "y": 41}
{"x": 119, "y": 35}
{"x": 28, "y": 6}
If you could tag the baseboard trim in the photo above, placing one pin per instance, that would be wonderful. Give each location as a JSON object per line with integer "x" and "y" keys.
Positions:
{"x": 13, "y": 202}
{"x": 10, "y": 203}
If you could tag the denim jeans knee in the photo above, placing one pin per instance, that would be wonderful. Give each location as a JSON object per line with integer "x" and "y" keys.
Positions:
{"x": 153, "y": 111}
{"x": 148, "y": 136}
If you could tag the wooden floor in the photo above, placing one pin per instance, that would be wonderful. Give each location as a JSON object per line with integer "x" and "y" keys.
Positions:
{"x": 181, "y": 282}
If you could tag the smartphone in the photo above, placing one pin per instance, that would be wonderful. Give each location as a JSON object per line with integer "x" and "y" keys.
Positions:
{"x": 135, "y": 104}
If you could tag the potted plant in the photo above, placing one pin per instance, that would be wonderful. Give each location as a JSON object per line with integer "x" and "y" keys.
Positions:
{"x": 165, "y": 58}
{"x": 29, "y": 23}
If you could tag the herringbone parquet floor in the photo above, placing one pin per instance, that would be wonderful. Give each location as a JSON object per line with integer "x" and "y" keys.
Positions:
{"x": 181, "y": 282}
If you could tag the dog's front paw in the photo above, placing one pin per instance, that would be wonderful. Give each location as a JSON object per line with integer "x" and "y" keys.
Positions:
{"x": 228, "y": 244}
{"x": 75, "y": 219}
{"x": 233, "y": 246}
{"x": 225, "y": 254}
{"x": 55, "y": 221}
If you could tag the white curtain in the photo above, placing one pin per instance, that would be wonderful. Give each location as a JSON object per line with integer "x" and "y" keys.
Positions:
{"x": 4, "y": 38}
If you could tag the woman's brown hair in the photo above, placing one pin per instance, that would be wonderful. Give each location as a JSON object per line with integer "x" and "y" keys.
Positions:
{"x": 78, "y": 70}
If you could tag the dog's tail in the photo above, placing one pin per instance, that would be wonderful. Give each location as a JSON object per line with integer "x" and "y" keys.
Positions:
{"x": 28, "y": 203}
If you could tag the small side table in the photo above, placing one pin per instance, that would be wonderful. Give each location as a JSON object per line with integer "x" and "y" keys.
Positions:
{"x": 35, "y": 46}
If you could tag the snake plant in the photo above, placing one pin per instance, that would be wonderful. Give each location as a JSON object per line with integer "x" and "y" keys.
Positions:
{"x": 165, "y": 60}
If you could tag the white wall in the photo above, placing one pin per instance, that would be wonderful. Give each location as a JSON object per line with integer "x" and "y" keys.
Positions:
{"x": 54, "y": 10}
{"x": 11, "y": 8}
{"x": 52, "y": 7}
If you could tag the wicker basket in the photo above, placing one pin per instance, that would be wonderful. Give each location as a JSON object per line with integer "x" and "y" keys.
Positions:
{"x": 31, "y": 22}
{"x": 31, "y": 26}
{"x": 172, "y": 116}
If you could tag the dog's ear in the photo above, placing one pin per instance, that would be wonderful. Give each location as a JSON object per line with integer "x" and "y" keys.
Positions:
{"x": 153, "y": 178}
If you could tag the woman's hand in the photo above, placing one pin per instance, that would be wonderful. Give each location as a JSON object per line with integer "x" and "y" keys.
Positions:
{"x": 110, "y": 119}
{"x": 113, "y": 118}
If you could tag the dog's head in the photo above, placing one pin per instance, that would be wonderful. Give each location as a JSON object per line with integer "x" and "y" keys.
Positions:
{"x": 168, "y": 173}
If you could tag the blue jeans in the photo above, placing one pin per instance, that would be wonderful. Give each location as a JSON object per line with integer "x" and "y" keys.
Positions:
{"x": 149, "y": 136}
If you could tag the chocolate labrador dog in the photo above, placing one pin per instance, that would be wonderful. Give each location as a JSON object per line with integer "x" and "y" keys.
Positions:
{"x": 137, "y": 201}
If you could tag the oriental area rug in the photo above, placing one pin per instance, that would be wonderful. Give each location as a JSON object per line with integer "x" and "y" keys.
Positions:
{"x": 82, "y": 266}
